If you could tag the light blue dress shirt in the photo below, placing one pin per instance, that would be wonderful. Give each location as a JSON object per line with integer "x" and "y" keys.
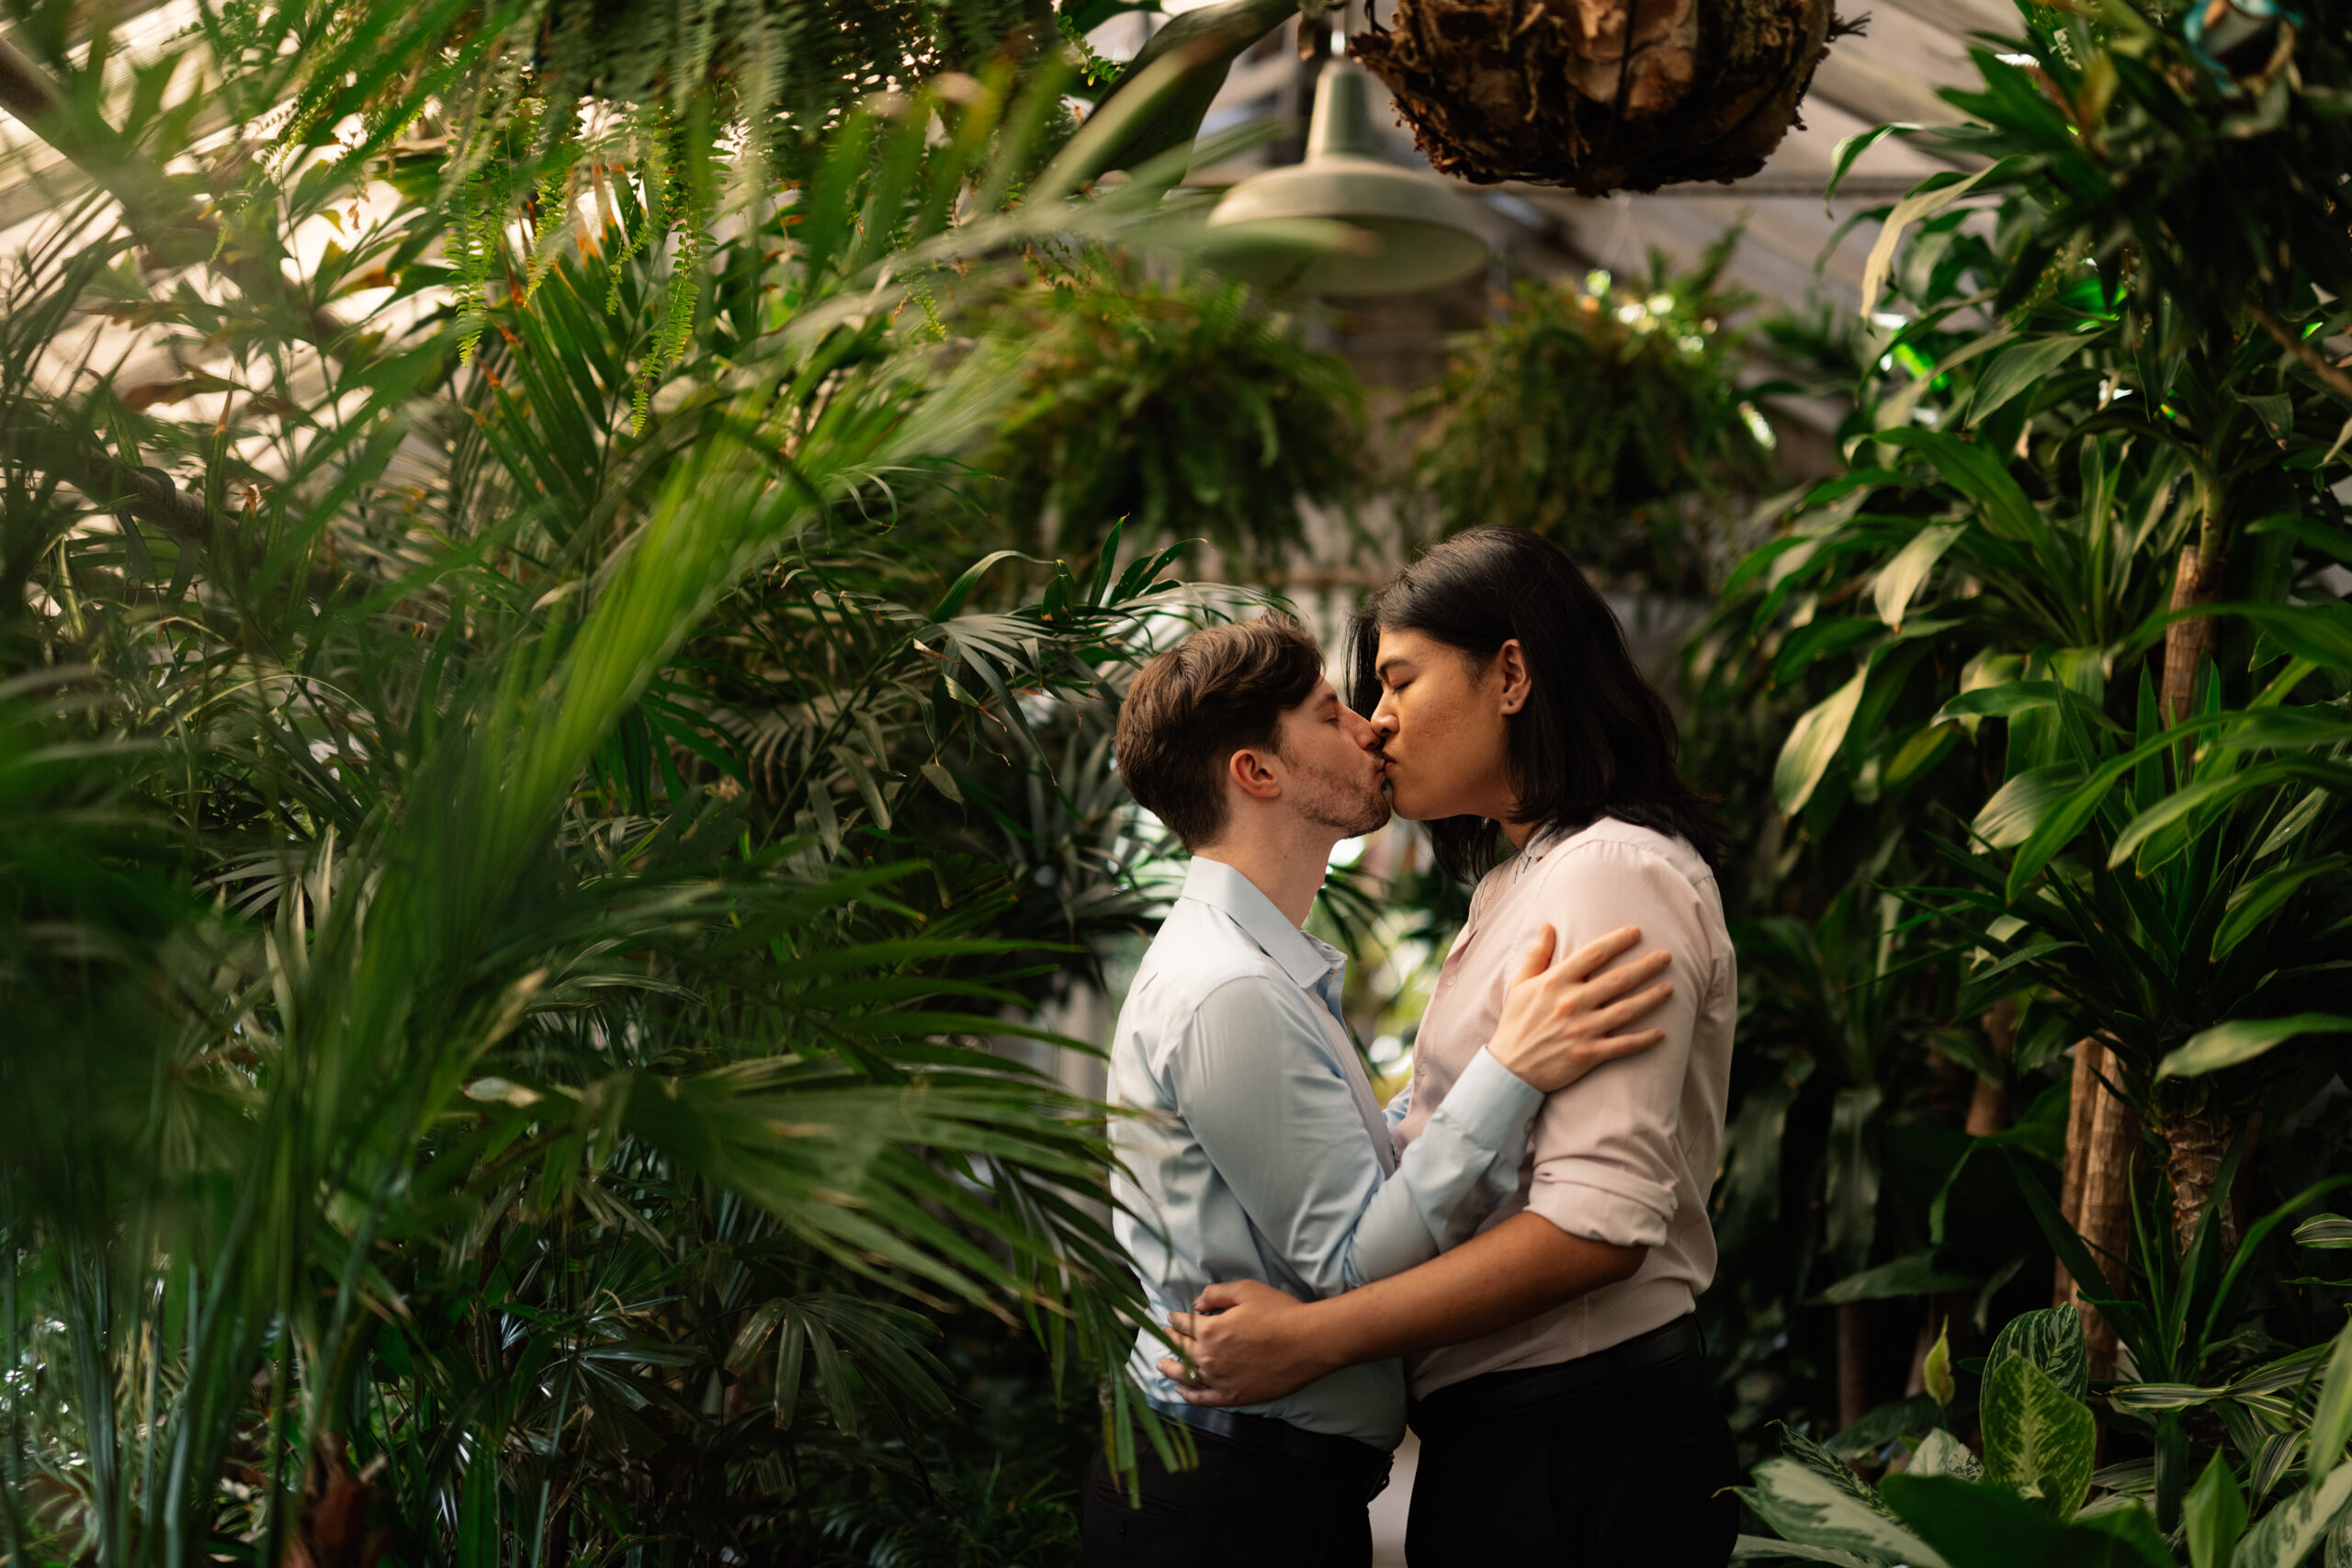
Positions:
{"x": 1261, "y": 1153}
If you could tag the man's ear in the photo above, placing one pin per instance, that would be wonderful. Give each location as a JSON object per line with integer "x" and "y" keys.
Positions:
{"x": 1510, "y": 663}
{"x": 1246, "y": 771}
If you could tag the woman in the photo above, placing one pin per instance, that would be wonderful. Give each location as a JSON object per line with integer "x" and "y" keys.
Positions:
{"x": 1562, "y": 1398}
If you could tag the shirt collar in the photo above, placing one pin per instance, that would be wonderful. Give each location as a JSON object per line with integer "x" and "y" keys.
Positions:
{"x": 1306, "y": 959}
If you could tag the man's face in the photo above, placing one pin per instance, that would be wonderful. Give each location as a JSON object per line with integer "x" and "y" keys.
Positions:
{"x": 1328, "y": 749}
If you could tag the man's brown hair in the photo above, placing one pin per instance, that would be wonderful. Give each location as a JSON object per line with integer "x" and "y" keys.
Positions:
{"x": 1221, "y": 690}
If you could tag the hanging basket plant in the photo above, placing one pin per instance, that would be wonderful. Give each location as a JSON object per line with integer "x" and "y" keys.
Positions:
{"x": 1599, "y": 94}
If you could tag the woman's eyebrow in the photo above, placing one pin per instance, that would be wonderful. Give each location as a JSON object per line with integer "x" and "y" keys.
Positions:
{"x": 1391, "y": 663}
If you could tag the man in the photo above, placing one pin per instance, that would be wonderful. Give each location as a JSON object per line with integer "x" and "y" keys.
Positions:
{"x": 1261, "y": 1154}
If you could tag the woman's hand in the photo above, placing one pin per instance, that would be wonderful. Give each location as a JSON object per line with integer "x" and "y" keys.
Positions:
{"x": 1559, "y": 1023}
{"x": 1260, "y": 1345}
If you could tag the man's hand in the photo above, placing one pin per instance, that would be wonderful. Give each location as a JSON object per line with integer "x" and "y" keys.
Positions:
{"x": 1259, "y": 1346}
{"x": 1561, "y": 1020}
{"x": 1262, "y": 1344}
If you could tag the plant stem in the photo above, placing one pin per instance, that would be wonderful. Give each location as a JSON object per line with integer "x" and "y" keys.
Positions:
{"x": 1854, "y": 1362}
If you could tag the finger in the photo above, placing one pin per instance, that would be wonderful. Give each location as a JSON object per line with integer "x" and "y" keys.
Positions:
{"x": 1608, "y": 1020}
{"x": 1590, "y": 958}
{"x": 1539, "y": 953}
{"x": 1219, "y": 1296}
{"x": 1615, "y": 1045}
{"x": 1184, "y": 1325}
{"x": 1173, "y": 1369}
{"x": 1613, "y": 983}
{"x": 1210, "y": 1396}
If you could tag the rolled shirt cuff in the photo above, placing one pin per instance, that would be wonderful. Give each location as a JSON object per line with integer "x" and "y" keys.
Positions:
{"x": 1601, "y": 1203}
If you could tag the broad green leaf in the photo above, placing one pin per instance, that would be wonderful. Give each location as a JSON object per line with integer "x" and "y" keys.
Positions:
{"x": 2155, "y": 1396}
{"x": 1983, "y": 476}
{"x": 1812, "y": 1510}
{"x": 1912, "y": 1418}
{"x": 2017, "y": 370}
{"x": 1914, "y": 1274}
{"x": 2053, "y": 1340}
{"x": 2242, "y": 1040}
{"x": 2214, "y": 792}
{"x": 1853, "y": 147}
{"x": 1813, "y": 742}
{"x": 2332, "y": 1417}
{"x": 1983, "y": 1526}
{"x": 1167, "y": 89}
{"x": 1940, "y": 1453}
{"x": 1939, "y": 191}
{"x": 2257, "y": 900}
{"x": 1975, "y": 1525}
{"x": 2324, "y": 1231}
{"x": 2286, "y": 1535}
{"x": 2038, "y": 1438}
{"x": 2213, "y": 1516}
{"x": 2021, "y": 805}
{"x": 1764, "y": 1548}
{"x": 1899, "y": 580}
{"x": 1798, "y": 1448}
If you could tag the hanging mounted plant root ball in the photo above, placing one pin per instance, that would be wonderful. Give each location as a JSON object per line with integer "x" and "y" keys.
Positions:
{"x": 1554, "y": 92}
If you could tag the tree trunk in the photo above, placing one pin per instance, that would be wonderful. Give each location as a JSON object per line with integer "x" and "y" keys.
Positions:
{"x": 1988, "y": 1105}
{"x": 2097, "y": 1191}
{"x": 2188, "y": 644}
{"x": 1854, "y": 1362}
{"x": 2195, "y": 1144}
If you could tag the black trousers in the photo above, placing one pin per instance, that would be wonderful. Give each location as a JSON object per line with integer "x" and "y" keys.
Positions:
{"x": 1239, "y": 1508}
{"x": 1623, "y": 1474}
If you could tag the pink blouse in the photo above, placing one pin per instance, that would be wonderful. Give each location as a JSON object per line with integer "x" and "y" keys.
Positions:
{"x": 1627, "y": 1155}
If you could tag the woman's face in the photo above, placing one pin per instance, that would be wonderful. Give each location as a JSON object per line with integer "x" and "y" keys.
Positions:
{"x": 1445, "y": 725}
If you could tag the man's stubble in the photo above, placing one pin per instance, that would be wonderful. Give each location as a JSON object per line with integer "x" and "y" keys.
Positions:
{"x": 1333, "y": 801}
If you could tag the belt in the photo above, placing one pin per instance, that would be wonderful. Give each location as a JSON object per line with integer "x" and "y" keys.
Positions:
{"x": 1499, "y": 1393}
{"x": 1356, "y": 1468}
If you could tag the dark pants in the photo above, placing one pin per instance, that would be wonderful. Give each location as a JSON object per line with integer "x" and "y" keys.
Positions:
{"x": 1240, "y": 1507}
{"x": 1625, "y": 1473}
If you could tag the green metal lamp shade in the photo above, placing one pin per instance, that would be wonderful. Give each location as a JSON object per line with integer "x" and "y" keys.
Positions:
{"x": 1421, "y": 232}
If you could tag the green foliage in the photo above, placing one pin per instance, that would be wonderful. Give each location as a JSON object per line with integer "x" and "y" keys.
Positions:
{"x": 1183, "y": 407}
{"x": 1610, "y": 419}
{"x": 511, "y": 864}
{"x": 2057, "y": 660}
{"x": 2023, "y": 1507}
{"x": 2038, "y": 1438}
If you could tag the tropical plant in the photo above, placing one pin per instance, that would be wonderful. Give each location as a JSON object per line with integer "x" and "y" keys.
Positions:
{"x": 500, "y": 883}
{"x": 2033, "y": 1496}
{"x": 1183, "y": 407}
{"x": 2060, "y": 655}
{"x": 1609, "y": 418}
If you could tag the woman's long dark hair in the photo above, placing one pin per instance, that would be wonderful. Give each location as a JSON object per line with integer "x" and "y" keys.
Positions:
{"x": 1594, "y": 739}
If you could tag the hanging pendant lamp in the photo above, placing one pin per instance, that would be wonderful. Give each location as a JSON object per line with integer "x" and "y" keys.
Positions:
{"x": 1422, "y": 233}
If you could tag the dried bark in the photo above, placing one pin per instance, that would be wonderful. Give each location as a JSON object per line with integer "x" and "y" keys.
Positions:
{"x": 1599, "y": 94}
{"x": 2101, "y": 1138}
{"x": 2188, "y": 644}
{"x": 2196, "y": 1142}
{"x": 332, "y": 1529}
{"x": 1989, "y": 1102}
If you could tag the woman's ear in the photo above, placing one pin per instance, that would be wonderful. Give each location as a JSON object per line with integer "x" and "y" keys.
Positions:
{"x": 1510, "y": 663}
